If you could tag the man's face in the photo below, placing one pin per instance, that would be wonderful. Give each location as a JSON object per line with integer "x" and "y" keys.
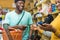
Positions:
{"x": 20, "y": 5}
{"x": 58, "y": 4}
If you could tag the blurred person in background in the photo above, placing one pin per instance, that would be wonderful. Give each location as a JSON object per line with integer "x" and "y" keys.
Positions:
{"x": 45, "y": 6}
{"x": 36, "y": 1}
{"x": 39, "y": 9}
{"x": 58, "y": 5}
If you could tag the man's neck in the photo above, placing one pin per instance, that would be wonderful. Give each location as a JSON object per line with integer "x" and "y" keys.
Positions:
{"x": 18, "y": 12}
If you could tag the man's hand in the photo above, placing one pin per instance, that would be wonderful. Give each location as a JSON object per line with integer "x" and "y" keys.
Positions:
{"x": 11, "y": 29}
{"x": 22, "y": 27}
{"x": 46, "y": 27}
{"x": 34, "y": 27}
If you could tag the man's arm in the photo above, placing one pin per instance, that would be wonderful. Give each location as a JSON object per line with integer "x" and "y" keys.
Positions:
{"x": 31, "y": 31}
{"x": 48, "y": 27}
{"x": 56, "y": 32}
{"x": 30, "y": 22}
{"x": 22, "y": 27}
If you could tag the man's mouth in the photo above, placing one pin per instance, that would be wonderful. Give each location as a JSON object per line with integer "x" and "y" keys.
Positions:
{"x": 21, "y": 7}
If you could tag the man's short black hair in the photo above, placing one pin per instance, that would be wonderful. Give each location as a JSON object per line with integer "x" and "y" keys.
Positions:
{"x": 19, "y": 0}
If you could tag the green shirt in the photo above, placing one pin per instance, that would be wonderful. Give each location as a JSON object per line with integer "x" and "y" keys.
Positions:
{"x": 12, "y": 19}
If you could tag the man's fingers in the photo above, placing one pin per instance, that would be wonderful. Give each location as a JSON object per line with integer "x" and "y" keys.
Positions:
{"x": 11, "y": 28}
{"x": 39, "y": 25}
{"x": 44, "y": 28}
{"x": 46, "y": 25}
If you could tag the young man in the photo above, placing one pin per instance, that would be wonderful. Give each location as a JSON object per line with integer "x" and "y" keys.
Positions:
{"x": 19, "y": 14}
